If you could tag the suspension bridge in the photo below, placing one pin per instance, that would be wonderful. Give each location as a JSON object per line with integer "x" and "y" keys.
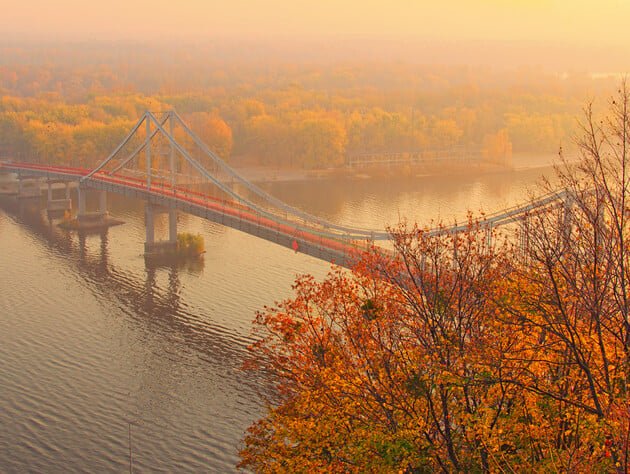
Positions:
{"x": 162, "y": 162}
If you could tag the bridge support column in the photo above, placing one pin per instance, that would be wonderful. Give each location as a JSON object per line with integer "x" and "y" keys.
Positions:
{"x": 28, "y": 188}
{"x": 57, "y": 207}
{"x": 81, "y": 198}
{"x": 102, "y": 203}
{"x": 100, "y": 214}
{"x": 97, "y": 220}
{"x": 172, "y": 226}
{"x": 8, "y": 183}
{"x": 149, "y": 223}
{"x": 164, "y": 248}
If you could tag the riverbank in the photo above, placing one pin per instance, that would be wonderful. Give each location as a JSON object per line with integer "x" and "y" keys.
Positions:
{"x": 261, "y": 174}
{"x": 519, "y": 162}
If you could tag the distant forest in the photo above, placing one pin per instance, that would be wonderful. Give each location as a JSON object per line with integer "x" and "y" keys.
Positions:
{"x": 80, "y": 100}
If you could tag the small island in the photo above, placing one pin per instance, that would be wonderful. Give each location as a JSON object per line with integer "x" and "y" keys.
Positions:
{"x": 190, "y": 245}
{"x": 187, "y": 247}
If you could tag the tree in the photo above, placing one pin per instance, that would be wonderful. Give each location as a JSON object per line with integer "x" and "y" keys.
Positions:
{"x": 267, "y": 137}
{"x": 319, "y": 142}
{"x": 532, "y": 132}
{"x": 571, "y": 315}
{"x": 379, "y": 371}
{"x": 454, "y": 355}
{"x": 213, "y": 131}
{"x": 445, "y": 133}
{"x": 497, "y": 148}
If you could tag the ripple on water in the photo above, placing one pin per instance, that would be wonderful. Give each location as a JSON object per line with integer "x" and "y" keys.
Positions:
{"x": 92, "y": 340}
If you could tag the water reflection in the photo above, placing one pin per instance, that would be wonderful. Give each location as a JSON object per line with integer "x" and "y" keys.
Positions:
{"x": 164, "y": 316}
{"x": 159, "y": 309}
{"x": 379, "y": 201}
{"x": 114, "y": 340}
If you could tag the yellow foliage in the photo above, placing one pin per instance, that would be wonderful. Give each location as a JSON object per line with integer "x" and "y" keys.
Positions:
{"x": 458, "y": 357}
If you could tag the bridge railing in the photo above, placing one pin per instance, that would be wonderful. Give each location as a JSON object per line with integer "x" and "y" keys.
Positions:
{"x": 342, "y": 243}
{"x": 300, "y": 229}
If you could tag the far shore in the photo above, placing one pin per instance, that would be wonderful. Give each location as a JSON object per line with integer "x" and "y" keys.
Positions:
{"x": 263, "y": 174}
{"x": 519, "y": 162}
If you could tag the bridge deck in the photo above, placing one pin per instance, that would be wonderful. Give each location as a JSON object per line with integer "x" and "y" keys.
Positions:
{"x": 325, "y": 246}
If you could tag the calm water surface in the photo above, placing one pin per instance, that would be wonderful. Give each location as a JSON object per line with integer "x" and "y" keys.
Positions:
{"x": 91, "y": 340}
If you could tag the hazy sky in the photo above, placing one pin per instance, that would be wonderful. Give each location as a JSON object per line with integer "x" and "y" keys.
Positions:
{"x": 593, "y": 22}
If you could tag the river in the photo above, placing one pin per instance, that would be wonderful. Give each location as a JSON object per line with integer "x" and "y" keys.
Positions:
{"x": 93, "y": 343}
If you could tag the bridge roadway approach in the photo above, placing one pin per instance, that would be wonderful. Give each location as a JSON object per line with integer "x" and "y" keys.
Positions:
{"x": 319, "y": 244}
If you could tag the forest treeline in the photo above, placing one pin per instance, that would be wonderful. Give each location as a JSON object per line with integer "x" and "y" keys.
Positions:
{"x": 65, "y": 103}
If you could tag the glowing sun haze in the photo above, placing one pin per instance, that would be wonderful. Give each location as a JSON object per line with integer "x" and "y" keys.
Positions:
{"x": 596, "y": 22}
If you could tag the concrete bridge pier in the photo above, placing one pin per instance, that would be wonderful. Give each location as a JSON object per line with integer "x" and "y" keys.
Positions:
{"x": 81, "y": 191}
{"x": 8, "y": 183}
{"x": 153, "y": 248}
{"x": 58, "y": 207}
{"x": 93, "y": 219}
{"x": 28, "y": 188}
{"x": 102, "y": 202}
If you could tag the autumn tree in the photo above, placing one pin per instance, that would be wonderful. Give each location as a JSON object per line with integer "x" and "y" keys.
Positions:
{"x": 466, "y": 351}
{"x": 387, "y": 369}
{"x": 568, "y": 301}
{"x": 409, "y": 108}
{"x": 268, "y": 138}
{"x": 497, "y": 148}
{"x": 213, "y": 131}
{"x": 319, "y": 142}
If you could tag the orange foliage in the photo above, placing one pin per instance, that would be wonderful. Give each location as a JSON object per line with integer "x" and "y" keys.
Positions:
{"x": 281, "y": 113}
{"x": 460, "y": 356}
